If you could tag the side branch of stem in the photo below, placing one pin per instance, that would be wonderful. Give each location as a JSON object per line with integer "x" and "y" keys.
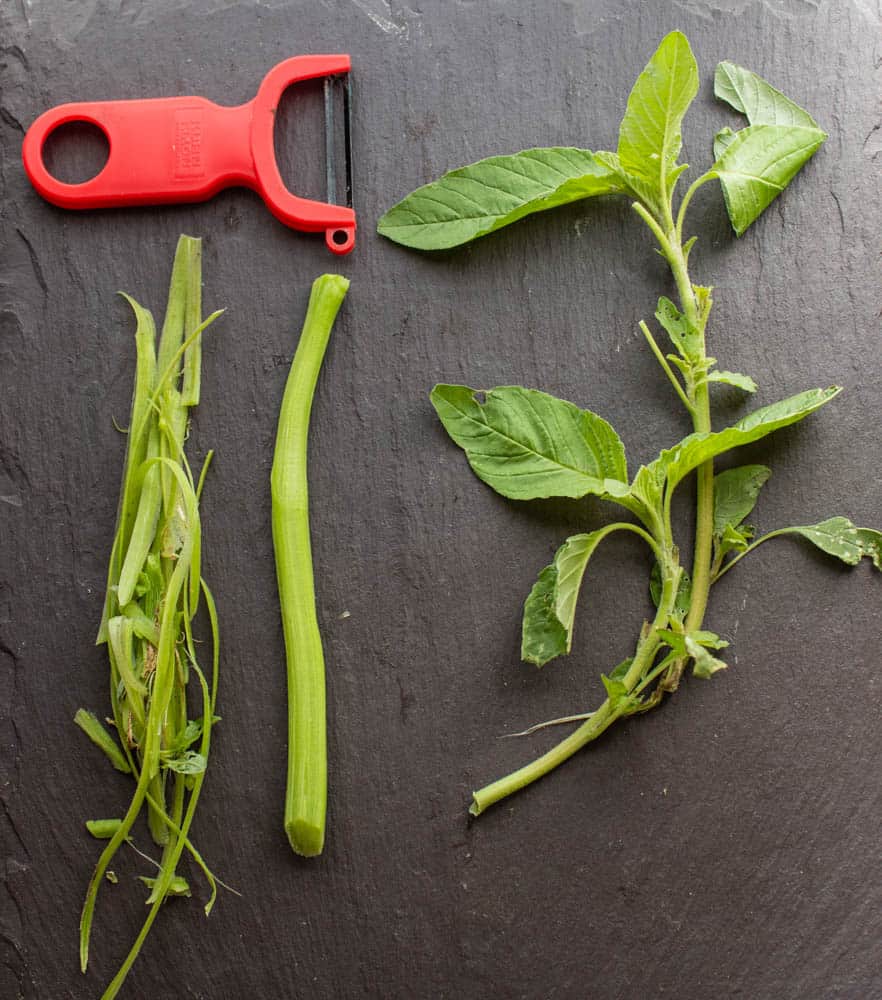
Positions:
{"x": 666, "y": 368}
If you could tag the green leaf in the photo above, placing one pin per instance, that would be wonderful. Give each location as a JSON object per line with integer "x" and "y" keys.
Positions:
{"x": 678, "y": 641}
{"x": 648, "y": 486}
{"x": 696, "y": 645}
{"x": 543, "y": 635}
{"x": 550, "y": 608}
{"x": 615, "y": 687}
{"x": 839, "y": 537}
{"x": 735, "y": 493}
{"x": 744, "y": 382}
{"x": 758, "y": 100}
{"x": 618, "y": 672}
{"x": 708, "y": 639}
{"x": 699, "y": 448}
{"x": 191, "y": 733}
{"x": 177, "y": 529}
{"x": 722, "y": 141}
{"x": 757, "y": 163}
{"x": 178, "y": 886}
{"x": 527, "y": 444}
{"x": 484, "y": 196}
{"x": 649, "y": 136}
{"x": 734, "y": 539}
{"x": 675, "y": 640}
{"x": 704, "y": 663}
{"x": 620, "y": 701}
{"x": 634, "y": 185}
{"x": 684, "y": 591}
{"x": 683, "y": 335}
{"x": 187, "y": 763}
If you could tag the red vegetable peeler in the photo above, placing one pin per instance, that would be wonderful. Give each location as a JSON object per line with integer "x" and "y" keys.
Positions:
{"x": 186, "y": 149}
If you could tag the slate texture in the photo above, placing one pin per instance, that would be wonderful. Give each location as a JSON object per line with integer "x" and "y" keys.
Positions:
{"x": 727, "y": 845}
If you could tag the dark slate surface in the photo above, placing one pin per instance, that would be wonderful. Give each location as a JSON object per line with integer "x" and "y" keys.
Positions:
{"x": 725, "y": 846}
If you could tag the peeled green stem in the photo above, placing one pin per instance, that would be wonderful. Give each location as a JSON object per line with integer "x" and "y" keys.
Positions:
{"x": 144, "y": 528}
{"x": 192, "y": 380}
{"x": 136, "y": 450}
{"x": 306, "y": 789}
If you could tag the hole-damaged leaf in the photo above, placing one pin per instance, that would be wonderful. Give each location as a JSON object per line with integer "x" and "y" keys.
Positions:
{"x": 692, "y": 451}
{"x": 839, "y": 537}
{"x": 683, "y": 334}
{"x": 527, "y": 444}
{"x": 188, "y": 762}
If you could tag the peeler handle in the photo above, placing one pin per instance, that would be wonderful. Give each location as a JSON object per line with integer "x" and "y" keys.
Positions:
{"x": 186, "y": 149}
{"x": 162, "y": 151}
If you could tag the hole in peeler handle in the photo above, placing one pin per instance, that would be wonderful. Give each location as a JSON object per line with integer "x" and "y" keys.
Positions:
{"x": 75, "y": 152}
{"x": 340, "y": 240}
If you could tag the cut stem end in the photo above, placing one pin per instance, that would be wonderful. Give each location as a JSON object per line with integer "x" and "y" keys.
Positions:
{"x": 305, "y": 838}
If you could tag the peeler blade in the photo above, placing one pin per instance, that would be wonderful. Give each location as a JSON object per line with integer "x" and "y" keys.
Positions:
{"x": 347, "y": 136}
{"x": 342, "y": 82}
